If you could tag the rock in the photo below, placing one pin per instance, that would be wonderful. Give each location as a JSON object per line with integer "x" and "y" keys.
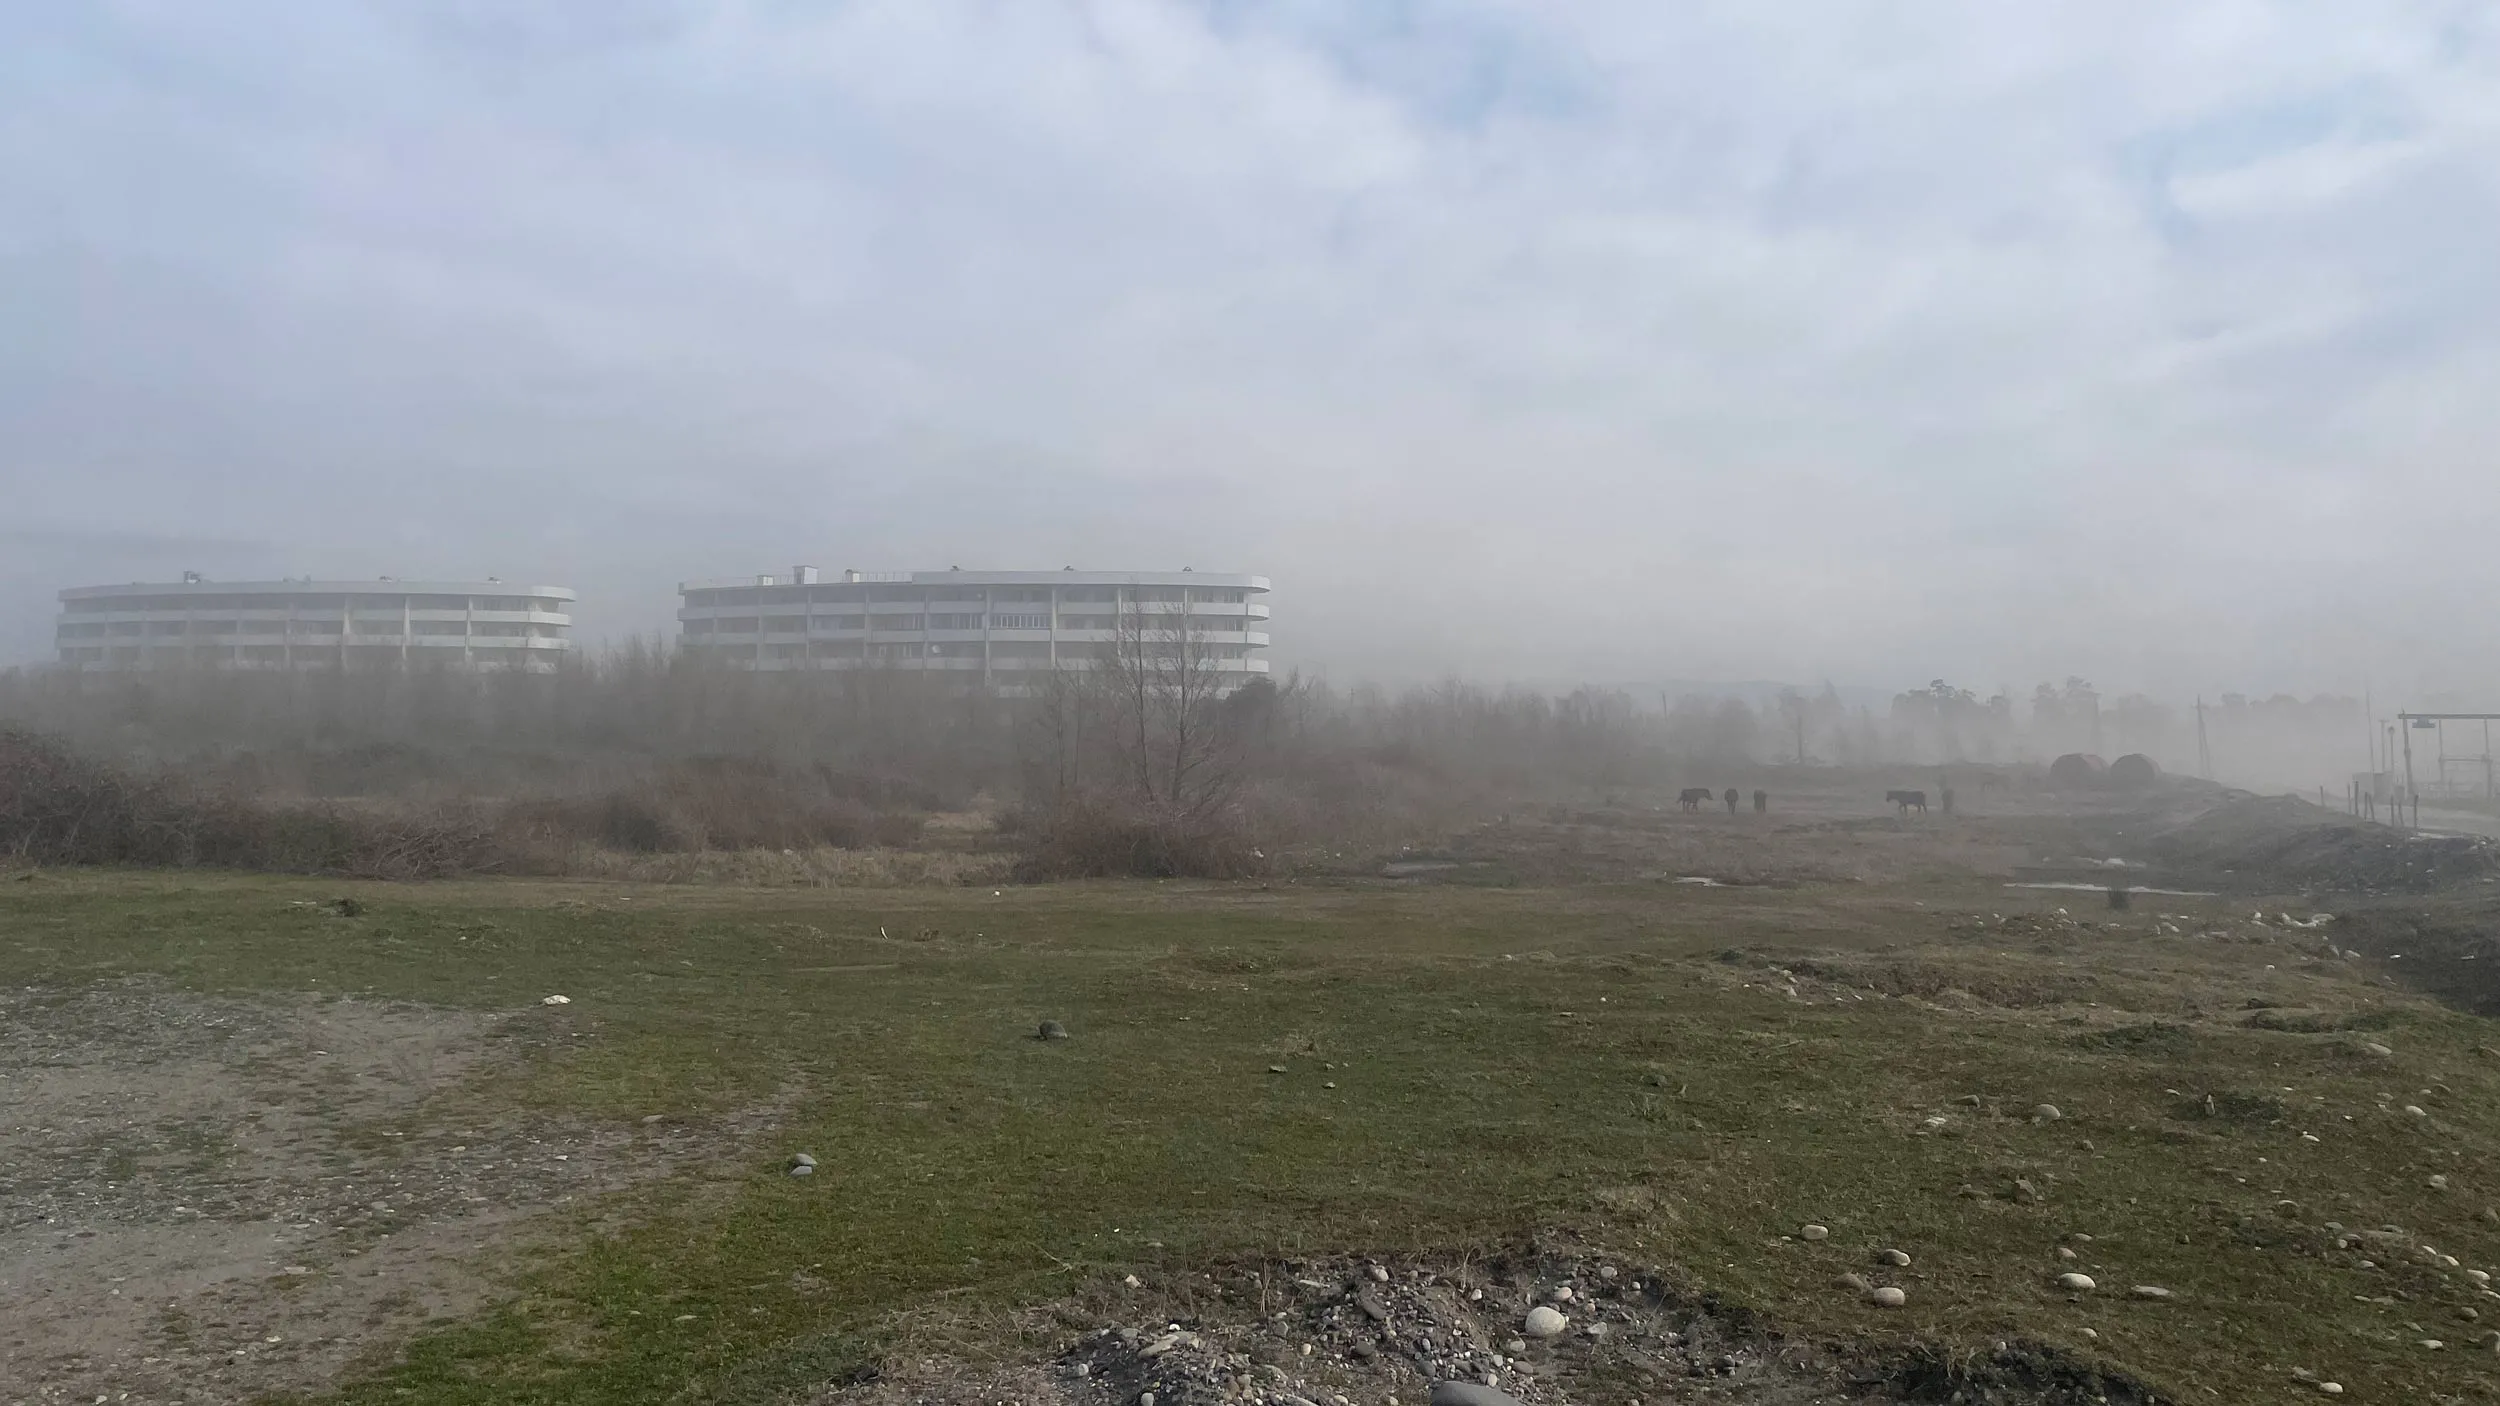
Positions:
{"x": 1898, "y": 1259}
{"x": 1854, "y": 1283}
{"x": 1888, "y": 1297}
{"x": 1145, "y": 1398}
{"x": 1131, "y": 1282}
{"x": 2374, "y": 1047}
{"x": 2478, "y": 1276}
{"x": 2437, "y": 1182}
{"x": 1380, "y": 1275}
{"x": 1368, "y": 1301}
{"x": 803, "y": 1169}
{"x": 1607, "y": 1273}
{"x": 1470, "y": 1394}
{"x": 2065, "y": 1254}
{"x": 1515, "y": 1346}
{"x": 1544, "y": 1322}
{"x": 1051, "y": 1030}
{"x": 555, "y": 1000}
{"x": 2074, "y": 1283}
{"x": 2025, "y": 1192}
{"x": 802, "y": 1159}
{"x": 2332, "y": 1388}
{"x": 2414, "y": 1110}
{"x": 1562, "y": 1294}
{"x": 2490, "y": 1341}
{"x": 1816, "y": 1232}
{"x": 1595, "y": 1330}
{"x": 1276, "y": 1069}
{"x": 2153, "y": 1291}
{"x": 2433, "y": 1344}
{"x": 2045, "y": 1113}
{"x": 1475, "y": 1296}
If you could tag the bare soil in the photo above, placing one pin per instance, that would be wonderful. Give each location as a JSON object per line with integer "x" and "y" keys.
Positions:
{"x": 209, "y": 1199}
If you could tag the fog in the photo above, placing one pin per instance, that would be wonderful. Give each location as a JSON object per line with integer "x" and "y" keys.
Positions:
{"x": 1607, "y": 343}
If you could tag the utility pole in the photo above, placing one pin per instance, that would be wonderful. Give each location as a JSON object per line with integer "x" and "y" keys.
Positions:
{"x": 2204, "y": 753}
{"x": 2410, "y": 793}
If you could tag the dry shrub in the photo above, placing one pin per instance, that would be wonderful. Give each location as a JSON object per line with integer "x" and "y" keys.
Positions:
{"x": 59, "y": 808}
{"x": 719, "y": 804}
{"x": 1098, "y": 838}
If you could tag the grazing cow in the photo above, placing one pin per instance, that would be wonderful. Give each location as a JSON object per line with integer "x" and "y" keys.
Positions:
{"x": 1692, "y": 798}
{"x": 1907, "y": 801}
{"x": 1761, "y": 802}
{"x": 1731, "y": 800}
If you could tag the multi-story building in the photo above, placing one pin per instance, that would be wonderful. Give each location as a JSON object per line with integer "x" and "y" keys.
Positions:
{"x": 990, "y": 626}
{"x": 315, "y": 625}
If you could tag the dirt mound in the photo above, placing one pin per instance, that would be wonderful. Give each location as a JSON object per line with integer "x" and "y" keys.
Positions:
{"x": 2077, "y": 771}
{"x": 2134, "y": 772}
{"x": 2284, "y": 843}
{"x": 1337, "y": 1333}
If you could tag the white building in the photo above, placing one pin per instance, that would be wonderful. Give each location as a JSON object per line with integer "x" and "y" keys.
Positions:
{"x": 985, "y": 625}
{"x": 315, "y": 625}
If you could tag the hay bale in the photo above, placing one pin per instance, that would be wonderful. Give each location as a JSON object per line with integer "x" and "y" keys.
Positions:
{"x": 2134, "y": 772}
{"x": 2078, "y": 771}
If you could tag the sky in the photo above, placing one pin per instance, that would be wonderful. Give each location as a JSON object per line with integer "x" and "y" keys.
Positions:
{"x": 2152, "y": 342}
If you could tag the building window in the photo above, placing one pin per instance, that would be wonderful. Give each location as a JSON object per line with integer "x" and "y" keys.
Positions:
{"x": 785, "y": 624}
{"x": 1019, "y": 622}
{"x": 737, "y": 625}
{"x": 837, "y": 622}
{"x": 897, "y": 622}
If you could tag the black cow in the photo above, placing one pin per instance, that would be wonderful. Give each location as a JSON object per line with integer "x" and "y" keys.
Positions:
{"x": 1730, "y": 798}
{"x": 1692, "y": 798}
{"x": 1908, "y": 801}
{"x": 1761, "y": 802}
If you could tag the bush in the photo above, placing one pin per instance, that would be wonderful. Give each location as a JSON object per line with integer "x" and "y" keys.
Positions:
{"x": 1095, "y": 838}
{"x": 58, "y": 808}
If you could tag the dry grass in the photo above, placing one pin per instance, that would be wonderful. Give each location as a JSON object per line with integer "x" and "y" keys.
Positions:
{"x": 818, "y": 867}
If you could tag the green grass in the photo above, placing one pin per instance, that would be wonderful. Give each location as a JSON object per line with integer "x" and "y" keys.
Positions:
{"x": 1616, "y": 1065}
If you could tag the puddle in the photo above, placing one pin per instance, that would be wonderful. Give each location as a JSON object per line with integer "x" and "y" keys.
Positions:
{"x": 2129, "y": 888}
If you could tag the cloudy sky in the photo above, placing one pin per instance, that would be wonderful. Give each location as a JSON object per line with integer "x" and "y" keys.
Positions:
{"x": 2157, "y": 342}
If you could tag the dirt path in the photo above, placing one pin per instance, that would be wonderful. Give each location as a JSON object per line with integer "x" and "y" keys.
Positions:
{"x": 207, "y": 1199}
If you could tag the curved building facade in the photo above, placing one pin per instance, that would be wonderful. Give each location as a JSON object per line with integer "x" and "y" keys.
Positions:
{"x": 993, "y": 627}
{"x": 196, "y": 624}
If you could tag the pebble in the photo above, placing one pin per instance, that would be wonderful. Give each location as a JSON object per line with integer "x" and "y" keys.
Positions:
{"x": 1898, "y": 1259}
{"x": 2076, "y": 1283}
{"x": 2065, "y": 1254}
{"x": 802, "y": 1159}
{"x": 2332, "y": 1388}
{"x": 1131, "y": 1282}
{"x": 2433, "y": 1344}
{"x": 1854, "y": 1283}
{"x": 2374, "y": 1047}
{"x": 2046, "y": 1113}
{"x": 555, "y": 1000}
{"x": 1145, "y": 1398}
{"x": 1470, "y": 1394}
{"x": 1544, "y": 1322}
{"x": 2438, "y": 1182}
{"x": 803, "y": 1169}
{"x": 1816, "y": 1232}
{"x": 1607, "y": 1273}
{"x": 1051, "y": 1030}
{"x": 1563, "y": 1294}
{"x": 1475, "y": 1296}
{"x": 1515, "y": 1347}
{"x": 2478, "y": 1276}
{"x": 1889, "y": 1297}
{"x": 1380, "y": 1274}
{"x": 2153, "y": 1291}
{"x": 1276, "y": 1069}
{"x": 2414, "y": 1110}
{"x": 1595, "y": 1330}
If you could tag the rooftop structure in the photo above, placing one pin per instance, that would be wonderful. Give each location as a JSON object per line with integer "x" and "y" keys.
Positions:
{"x": 993, "y": 627}
{"x": 309, "y": 624}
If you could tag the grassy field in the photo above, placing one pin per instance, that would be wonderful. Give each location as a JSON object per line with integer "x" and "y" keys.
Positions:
{"x": 1679, "y": 1074}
